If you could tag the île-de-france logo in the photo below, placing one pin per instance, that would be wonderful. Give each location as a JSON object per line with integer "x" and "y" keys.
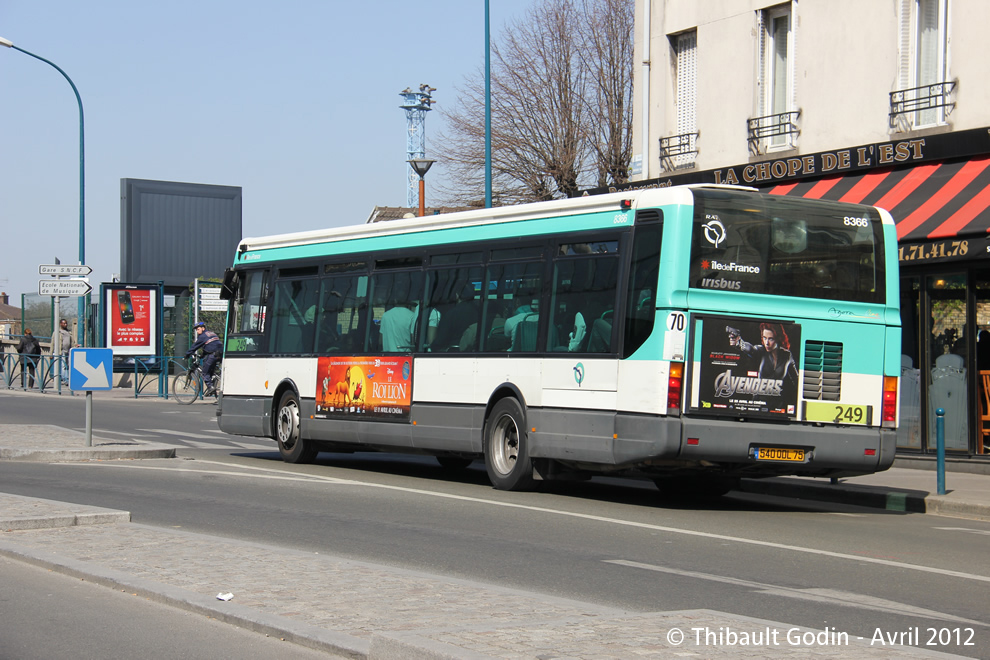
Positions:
{"x": 714, "y": 231}
{"x": 579, "y": 373}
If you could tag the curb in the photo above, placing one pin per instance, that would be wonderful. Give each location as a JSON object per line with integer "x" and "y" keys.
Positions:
{"x": 85, "y": 454}
{"x": 224, "y": 611}
{"x": 876, "y": 497}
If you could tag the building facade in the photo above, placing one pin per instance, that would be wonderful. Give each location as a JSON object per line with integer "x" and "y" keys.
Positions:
{"x": 882, "y": 103}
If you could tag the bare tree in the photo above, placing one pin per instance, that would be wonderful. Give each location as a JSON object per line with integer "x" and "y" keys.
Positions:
{"x": 551, "y": 124}
{"x": 607, "y": 54}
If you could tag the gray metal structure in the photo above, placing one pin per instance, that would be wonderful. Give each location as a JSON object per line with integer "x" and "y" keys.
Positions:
{"x": 416, "y": 105}
{"x": 175, "y": 232}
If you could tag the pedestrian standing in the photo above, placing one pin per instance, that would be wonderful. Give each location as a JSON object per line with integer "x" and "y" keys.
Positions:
{"x": 30, "y": 350}
{"x": 65, "y": 343}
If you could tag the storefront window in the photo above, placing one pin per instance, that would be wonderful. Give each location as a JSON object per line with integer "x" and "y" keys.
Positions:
{"x": 948, "y": 363}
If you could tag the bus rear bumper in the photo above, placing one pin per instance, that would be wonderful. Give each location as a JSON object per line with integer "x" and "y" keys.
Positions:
{"x": 729, "y": 445}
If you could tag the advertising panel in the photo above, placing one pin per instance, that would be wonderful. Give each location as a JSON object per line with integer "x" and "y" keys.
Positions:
{"x": 131, "y": 319}
{"x": 746, "y": 366}
{"x": 349, "y": 387}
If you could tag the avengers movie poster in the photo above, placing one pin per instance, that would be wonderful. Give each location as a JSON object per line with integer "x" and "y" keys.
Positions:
{"x": 747, "y": 366}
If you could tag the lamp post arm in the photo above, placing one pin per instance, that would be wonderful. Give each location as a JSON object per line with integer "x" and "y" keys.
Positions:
{"x": 83, "y": 300}
{"x": 82, "y": 149}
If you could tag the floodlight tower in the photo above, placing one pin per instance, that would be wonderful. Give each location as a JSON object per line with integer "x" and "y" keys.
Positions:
{"x": 416, "y": 105}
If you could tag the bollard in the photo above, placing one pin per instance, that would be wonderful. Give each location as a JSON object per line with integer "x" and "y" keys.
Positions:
{"x": 940, "y": 448}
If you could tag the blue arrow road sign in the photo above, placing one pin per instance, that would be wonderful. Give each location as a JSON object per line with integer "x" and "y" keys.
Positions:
{"x": 91, "y": 369}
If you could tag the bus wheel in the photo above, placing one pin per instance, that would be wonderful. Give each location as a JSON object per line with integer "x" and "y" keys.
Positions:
{"x": 292, "y": 447}
{"x": 506, "y": 450}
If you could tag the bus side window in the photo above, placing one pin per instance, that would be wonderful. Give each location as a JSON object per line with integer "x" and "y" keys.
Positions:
{"x": 451, "y": 298}
{"x": 341, "y": 323}
{"x": 641, "y": 293}
{"x": 400, "y": 293}
{"x": 294, "y": 328}
{"x": 247, "y": 320}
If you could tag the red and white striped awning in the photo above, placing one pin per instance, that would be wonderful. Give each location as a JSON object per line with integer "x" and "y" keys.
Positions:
{"x": 929, "y": 201}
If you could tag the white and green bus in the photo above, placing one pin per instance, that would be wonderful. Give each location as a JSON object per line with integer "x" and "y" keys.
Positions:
{"x": 691, "y": 335}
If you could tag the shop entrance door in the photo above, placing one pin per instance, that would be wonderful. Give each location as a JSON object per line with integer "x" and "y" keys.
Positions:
{"x": 981, "y": 302}
{"x": 947, "y": 367}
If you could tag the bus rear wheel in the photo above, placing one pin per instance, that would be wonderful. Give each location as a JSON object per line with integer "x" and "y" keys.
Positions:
{"x": 290, "y": 444}
{"x": 507, "y": 447}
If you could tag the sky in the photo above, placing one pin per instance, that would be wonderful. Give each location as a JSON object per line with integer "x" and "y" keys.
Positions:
{"x": 296, "y": 102}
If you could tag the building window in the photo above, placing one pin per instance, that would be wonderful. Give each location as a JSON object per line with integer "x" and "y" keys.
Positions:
{"x": 776, "y": 126}
{"x": 680, "y": 150}
{"x": 925, "y": 96}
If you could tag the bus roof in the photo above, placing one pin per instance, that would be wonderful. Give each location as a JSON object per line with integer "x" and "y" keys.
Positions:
{"x": 590, "y": 204}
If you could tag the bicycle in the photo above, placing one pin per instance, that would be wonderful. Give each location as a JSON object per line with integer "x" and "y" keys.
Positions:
{"x": 188, "y": 383}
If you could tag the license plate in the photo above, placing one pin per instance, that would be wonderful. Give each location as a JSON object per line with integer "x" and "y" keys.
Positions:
{"x": 837, "y": 413}
{"x": 776, "y": 454}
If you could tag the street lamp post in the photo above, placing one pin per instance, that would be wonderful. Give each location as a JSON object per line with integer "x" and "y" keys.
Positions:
{"x": 488, "y": 109}
{"x": 421, "y": 166}
{"x": 82, "y": 176}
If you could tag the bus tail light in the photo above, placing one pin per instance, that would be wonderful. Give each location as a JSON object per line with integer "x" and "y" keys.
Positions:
{"x": 674, "y": 385}
{"x": 889, "y": 402}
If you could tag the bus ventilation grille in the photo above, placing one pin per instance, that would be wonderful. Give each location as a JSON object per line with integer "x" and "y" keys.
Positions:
{"x": 822, "y": 370}
{"x": 647, "y": 215}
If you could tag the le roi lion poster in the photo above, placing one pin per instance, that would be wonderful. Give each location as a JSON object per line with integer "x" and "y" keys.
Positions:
{"x": 351, "y": 387}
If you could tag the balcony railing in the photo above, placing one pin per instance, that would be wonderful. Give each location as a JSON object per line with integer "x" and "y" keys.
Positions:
{"x": 935, "y": 97}
{"x": 677, "y": 151}
{"x": 770, "y": 131}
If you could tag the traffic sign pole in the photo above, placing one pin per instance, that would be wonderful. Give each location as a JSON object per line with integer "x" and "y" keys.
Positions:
{"x": 89, "y": 418}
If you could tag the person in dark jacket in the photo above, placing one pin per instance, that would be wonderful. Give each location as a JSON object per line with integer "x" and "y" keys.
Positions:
{"x": 30, "y": 350}
{"x": 211, "y": 345}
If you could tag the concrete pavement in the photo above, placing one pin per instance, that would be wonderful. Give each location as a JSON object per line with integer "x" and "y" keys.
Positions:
{"x": 365, "y": 610}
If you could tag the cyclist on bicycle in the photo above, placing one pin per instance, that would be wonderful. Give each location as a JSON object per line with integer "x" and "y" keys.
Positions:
{"x": 211, "y": 345}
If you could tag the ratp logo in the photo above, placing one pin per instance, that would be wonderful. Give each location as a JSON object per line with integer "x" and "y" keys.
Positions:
{"x": 579, "y": 373}
{"x": 714, "y": 231}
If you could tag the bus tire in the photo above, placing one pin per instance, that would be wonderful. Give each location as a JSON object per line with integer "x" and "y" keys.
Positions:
{"x": 507, "y": 447}
{"x": 290, "y": 443}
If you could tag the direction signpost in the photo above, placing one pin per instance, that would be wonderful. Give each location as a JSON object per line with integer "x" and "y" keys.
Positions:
{"x": 90, "y": 369}
{"x": 60, "y": 270}
{"x": 60, "y": 287}
{"x": 210, "y": 301}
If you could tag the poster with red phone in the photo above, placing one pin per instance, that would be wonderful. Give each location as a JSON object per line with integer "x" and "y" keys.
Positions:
{"x": 130, "y": 315}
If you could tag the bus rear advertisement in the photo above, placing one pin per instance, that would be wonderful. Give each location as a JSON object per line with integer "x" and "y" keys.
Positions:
{"x": 690, "y": 335}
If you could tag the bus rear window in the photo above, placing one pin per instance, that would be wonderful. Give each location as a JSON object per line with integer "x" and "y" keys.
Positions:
{"x": 786, "y": 246}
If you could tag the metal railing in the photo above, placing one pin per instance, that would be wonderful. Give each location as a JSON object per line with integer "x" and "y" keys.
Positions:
{"x": 678, "y": 150}
{"x": 762, "y": 130}
{"x": 934, "y": 96}
{"x": 152, "y": 374}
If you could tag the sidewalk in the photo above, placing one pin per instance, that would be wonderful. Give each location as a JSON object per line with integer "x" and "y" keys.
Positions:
{"x": 364, "y": 610}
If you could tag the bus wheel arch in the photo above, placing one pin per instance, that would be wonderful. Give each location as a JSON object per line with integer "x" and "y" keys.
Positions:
{"x": 506, "y": 442}
{"x": 286, "y": 426}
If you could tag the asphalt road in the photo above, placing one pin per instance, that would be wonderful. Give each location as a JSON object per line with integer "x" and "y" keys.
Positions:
{"x": 613, "y": 542}
{"x": 47, "y": 615}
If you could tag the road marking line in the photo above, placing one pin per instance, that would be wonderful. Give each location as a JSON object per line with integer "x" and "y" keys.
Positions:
{"x": 183, "y": 434}
{"x": 572, "y": 514}
{"x": 829, "y": 596}
{"x": 126, "y": 435}
{"x": 965, "y": 529}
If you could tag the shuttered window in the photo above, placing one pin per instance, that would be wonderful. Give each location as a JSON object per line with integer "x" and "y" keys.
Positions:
{"x": 686, "y": 53}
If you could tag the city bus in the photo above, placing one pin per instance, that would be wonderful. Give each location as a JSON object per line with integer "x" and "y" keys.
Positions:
{"x": 690, "y": 335}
